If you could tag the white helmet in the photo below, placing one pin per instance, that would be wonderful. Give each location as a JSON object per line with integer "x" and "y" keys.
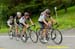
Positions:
{"x": 11, "y": 17}
{"x": 18, "y": 13}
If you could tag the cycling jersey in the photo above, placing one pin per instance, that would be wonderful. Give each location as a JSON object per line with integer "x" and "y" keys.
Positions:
{"x": 41, "y": 18}
{"x": 17, "y": 19}
{"x": 23, "y": 20}
{"x": 10, "y": 22}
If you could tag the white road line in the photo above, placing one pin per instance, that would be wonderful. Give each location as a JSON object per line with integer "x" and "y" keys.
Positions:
{"x": 69, "y": 36}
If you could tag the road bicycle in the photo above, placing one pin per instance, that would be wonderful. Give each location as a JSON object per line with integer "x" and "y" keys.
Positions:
{"x": 12, "y": 33}
{"x": 51, "y": 33}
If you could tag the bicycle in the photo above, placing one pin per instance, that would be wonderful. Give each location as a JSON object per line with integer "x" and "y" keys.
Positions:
{"x": 30, "y": 34}
{"x": 11, "y": 33}
{"x": 52, "y": 33}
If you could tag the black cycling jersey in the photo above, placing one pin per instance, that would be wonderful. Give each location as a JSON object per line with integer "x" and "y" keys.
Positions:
{"x": 17, "y": 20}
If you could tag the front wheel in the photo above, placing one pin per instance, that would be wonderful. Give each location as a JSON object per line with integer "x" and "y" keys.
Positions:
{"x": 56, "y": 36}
{"x": 33, "y": 36}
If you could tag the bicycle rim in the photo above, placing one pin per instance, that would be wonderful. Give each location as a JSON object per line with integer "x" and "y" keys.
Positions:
{"x": 56, "y": 36}
{"x": 33, "y": 36}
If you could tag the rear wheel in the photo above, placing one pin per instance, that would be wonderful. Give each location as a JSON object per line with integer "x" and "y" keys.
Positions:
{"x": 41, "y": 38}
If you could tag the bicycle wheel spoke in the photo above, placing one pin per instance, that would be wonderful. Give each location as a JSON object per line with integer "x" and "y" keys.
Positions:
{"x": 56, "y": 36}
{"x": 33, "y": 36}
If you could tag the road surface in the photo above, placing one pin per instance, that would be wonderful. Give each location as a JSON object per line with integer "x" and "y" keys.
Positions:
{"x": 68, "y": 42}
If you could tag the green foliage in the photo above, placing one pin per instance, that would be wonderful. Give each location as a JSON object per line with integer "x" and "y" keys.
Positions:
{"x": 3, "y": 14}
{"x": 65, "y": 20}
{"x": 9, "y": 7}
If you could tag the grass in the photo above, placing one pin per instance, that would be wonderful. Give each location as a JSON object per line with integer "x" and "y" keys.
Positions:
{"x": 66, "y": 20}
{"x": 3, "y": 30}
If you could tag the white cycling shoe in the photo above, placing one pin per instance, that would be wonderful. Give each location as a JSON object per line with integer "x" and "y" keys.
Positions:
{"x": 17, "y": 39}
{"x": 23, "y": 38}
{"x": 44, "y": 40}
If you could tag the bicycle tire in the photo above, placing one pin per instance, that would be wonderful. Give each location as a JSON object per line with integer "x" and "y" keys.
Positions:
{"x": 41, "y": 38}
{"x": 31, "y": 36}
{"x": 61, "y": 38}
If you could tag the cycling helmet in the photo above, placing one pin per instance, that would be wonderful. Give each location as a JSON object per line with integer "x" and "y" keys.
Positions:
{"x": 26, "y": 14}
{"x": 48, "y": 11}
{"x": 19, "y": 13}
{"x": 11, "y": 17}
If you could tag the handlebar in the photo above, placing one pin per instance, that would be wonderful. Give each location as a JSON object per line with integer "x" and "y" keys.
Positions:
{"x": 31, "y": 26}
{"x": 56, "y": 25}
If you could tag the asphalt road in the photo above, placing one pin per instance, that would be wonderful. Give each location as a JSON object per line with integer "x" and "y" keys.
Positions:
{"x": 68, "y": 42}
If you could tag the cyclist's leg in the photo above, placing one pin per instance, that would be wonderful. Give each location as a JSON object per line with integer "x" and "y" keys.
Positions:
{"x": 41, "y": 25}
{"x": 44, "y": 31}
{"x": 10, "y": 27}
{"x": 42, "y": 28}
{"x": 16, "y": 29}
{"x": 23, "y": 30}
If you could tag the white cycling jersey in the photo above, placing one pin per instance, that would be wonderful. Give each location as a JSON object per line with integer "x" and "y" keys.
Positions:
{"x": 9, "y": 22}
{"x": 22, "y": 20}
{"x": 42, "y": 16}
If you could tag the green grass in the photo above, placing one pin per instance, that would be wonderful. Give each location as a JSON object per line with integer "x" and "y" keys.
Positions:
{"x": 3, "y": 30}
{"x": 66, "y": 20}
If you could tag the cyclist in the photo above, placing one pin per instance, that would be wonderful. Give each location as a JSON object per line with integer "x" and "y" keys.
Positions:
{"x": 10, "y": 23}
{"x": 45, "y": 23}
{"x": 24, "y": 21}
{"x": 16, "y": 21}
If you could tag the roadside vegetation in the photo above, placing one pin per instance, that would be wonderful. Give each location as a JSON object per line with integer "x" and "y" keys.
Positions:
{"x": 65, "y": 20}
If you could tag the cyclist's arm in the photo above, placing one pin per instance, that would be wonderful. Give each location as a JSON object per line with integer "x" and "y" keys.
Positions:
{"x": 45, "y": 22}
{"x": 53, "y": 20}
{"x": 15, "y": 21}
{"x": 24, "y": 24}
